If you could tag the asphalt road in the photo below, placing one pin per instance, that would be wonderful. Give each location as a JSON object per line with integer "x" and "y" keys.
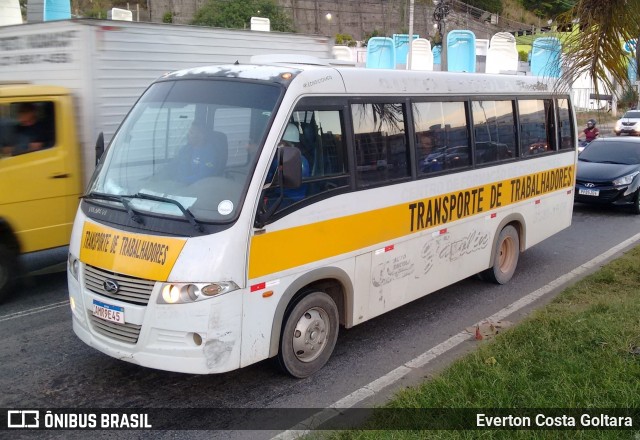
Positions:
{"x": 45, "y": 365}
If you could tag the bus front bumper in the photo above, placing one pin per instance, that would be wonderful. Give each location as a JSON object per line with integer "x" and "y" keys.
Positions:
{"x": 197, "y": 338}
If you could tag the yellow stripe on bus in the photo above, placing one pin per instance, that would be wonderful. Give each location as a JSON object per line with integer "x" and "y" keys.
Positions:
{"x": 280, "y": 250}
{"x": 143, "y": 256}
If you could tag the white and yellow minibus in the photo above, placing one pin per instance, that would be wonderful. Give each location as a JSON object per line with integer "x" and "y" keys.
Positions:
{"x": 321, "y": 197}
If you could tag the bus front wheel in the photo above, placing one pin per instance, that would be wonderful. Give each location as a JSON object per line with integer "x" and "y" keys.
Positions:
{"x": 309, "y": 335}
{"x": 506, "y": 256}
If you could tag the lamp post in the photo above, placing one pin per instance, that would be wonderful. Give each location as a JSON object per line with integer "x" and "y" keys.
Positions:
{"x": 329, "y": 17}
{"x": 440, "y": 12}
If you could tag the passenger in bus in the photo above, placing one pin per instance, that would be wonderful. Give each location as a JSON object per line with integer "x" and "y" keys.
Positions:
{"x": 30, "y": 134}
{"x": 204, "y": 155}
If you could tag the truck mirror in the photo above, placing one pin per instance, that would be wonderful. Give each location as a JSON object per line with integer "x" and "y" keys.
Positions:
{"x": 99, "y": 147}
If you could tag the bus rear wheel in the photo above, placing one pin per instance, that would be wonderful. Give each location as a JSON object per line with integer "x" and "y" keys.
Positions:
{"x": 506, "y": 257}
{"x": 8, "y": 271}
{"x": 309, "y": 335}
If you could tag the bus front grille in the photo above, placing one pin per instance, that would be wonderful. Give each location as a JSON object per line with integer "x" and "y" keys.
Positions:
{"x": 130, "y": 289}
{"x": 127, "y": 333}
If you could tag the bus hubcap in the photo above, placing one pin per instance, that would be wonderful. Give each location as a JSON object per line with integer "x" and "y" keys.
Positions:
{"x": 310, "y": 334}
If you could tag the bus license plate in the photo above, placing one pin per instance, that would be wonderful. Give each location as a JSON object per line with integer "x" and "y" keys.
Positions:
{"x": 589, "y": 192}
{"x": 108, "y": 312}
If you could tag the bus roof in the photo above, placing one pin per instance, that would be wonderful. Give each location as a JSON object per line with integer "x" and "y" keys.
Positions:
{"x": 315, "y": 78}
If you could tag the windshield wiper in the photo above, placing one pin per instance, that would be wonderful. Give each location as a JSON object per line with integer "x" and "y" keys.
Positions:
{"x": 584, "y": 160}
{"x": 185, "y": 211}
{"x": 614, "y": 162}
{"x": 116, "y": 198}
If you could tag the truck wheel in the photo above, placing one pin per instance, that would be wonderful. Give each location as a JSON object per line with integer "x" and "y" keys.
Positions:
{"x": 8, "y": 271}
{"x": 506, "y": 257}
{"x": 309, "y": 335}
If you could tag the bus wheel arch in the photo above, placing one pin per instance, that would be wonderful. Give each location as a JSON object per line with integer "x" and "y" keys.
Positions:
{"x": 509, "y": 242}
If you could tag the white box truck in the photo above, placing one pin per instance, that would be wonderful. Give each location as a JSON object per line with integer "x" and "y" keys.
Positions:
{"x": 62, "y": 83}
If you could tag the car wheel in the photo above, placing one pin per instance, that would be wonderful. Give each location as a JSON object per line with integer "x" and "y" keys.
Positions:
{"x": 309, "y": 335}
{"x": 636, "y": 203}
{"x": 8, "y": 271}
{"x": 506, "y": 257}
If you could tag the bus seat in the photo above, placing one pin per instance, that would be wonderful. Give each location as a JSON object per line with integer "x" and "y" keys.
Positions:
{"x": 218, "y": 140}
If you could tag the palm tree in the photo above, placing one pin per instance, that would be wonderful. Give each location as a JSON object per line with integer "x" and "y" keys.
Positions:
{"x": 605, "y": 25}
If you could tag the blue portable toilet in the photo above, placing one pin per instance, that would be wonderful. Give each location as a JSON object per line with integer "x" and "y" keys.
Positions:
{"x": 381, "y": 53}
{"x": 437, "y": 52}
{"x": 632, "y": 67}
{"x": 401, "y": 43}
{"x": 56, "y": 10}
{"x": 461, "y": 51}
{"x": 632, "y": 71}
{"x": 545, "y": 57}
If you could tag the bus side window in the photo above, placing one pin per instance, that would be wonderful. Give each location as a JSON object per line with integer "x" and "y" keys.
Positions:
{"x": 382, "y": 150}
{"x": 493, "y": 123}
{"x": 565, "y": 126}
{"x": 536, "y": 133}
{"x": 442, "y": 136}
{"x": 322, "y": 145}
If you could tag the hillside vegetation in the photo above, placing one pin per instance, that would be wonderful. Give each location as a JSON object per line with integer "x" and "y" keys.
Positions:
{"x": 526, "y": 11}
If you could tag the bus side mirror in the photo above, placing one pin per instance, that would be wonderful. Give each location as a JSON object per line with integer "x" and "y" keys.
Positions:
{"x": 288, "y": 175}
{"x": 99, "y": 147}
{"x": 291, "y": 167}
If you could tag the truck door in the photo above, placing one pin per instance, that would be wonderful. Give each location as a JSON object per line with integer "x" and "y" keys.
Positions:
{"x": 38, "y": 194}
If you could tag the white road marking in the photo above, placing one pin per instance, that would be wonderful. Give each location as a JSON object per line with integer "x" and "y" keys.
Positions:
{"x": 305, "y": 427}
{"x": 33, "y": 311}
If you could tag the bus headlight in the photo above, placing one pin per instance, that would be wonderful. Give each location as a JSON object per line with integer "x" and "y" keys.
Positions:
{"x": 182, "y": 293}
{"x": 171, "y": 294}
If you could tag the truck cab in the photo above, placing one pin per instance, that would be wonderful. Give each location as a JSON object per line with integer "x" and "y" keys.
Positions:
{"x": 40, "y": 173}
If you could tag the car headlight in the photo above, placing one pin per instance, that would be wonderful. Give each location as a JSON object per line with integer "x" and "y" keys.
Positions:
{"x": 625, "y": 180}
{"x": 618, "y": 125}
{"x": 182, "y": 293}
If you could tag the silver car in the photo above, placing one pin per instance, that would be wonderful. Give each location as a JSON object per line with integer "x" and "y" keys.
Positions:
{"x": 629, "y": 123}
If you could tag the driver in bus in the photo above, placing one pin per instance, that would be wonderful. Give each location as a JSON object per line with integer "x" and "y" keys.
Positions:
{"x": 202, "y": 155}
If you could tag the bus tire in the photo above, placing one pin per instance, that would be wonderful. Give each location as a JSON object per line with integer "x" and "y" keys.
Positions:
{"x": 8, "y": 271}
{"x": 506, "y": 256}
{"x": 308, "y": 335}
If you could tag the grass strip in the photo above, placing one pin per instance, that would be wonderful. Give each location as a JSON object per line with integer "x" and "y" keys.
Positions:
{"x": 580, "y": 351}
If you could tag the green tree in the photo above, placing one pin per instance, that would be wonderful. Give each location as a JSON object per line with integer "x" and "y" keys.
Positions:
{"x": 596, "y": 48}
{"x": 488, "y": 5}
{"x": 549, "y": 8}
{"x": 345, "y": 40}
{"x": 237, "y": 14}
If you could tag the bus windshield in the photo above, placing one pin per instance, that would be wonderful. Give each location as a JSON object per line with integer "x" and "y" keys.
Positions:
{"x": 188, "y": 150}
